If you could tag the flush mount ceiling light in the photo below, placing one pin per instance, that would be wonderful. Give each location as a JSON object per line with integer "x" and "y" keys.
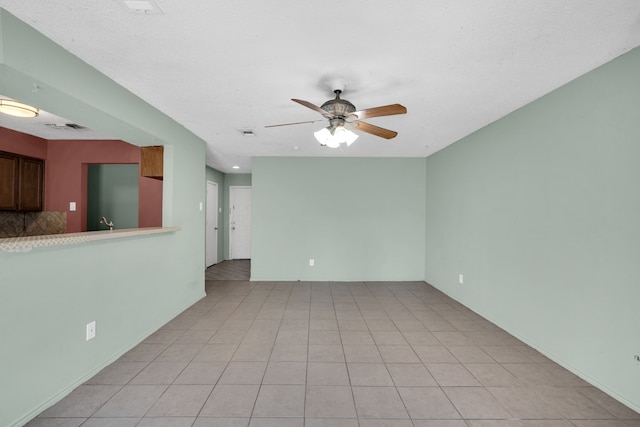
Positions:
{"x": 17, "y": 108}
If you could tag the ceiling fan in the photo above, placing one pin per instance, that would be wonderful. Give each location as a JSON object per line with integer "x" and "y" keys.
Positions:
{"x": 341, "y": 112}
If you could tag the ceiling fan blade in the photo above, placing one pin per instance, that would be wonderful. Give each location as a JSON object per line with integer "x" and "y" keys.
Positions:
{"x": 313, "y": 107}
{"x": 387, "y": 110}
{"x": 294, "y": 123}
{"x": 374, "y": 130}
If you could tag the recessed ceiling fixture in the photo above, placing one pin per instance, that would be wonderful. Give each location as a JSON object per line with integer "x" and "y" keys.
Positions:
{"x": 147, "y": 7}
{"x": 17, "y": 108}
{"x": 235, "y": 167}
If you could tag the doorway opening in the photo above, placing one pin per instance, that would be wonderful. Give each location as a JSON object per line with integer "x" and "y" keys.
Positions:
{"x": 112, "y": 193}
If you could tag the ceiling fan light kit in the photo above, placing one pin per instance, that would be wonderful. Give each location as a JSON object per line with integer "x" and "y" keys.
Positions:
{"x": 333, "y": 137}
{"x": 17, "y": 108}
{"x": 341, "y": 112}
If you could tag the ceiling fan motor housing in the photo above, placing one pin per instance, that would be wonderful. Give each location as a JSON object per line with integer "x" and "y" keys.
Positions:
{"x": 338, "y": 107}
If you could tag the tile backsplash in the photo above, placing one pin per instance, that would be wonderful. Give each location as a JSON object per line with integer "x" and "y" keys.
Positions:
{"x": 19, "y": 224}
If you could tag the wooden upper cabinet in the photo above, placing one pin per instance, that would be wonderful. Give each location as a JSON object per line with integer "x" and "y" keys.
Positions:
{"x": 31, "y": 186}
{"x": 151, "y": 161}
{"x": 21, "y": 183}
{"x": 9, "y": 166}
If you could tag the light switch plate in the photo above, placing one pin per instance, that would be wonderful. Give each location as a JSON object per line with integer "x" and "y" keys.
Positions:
{"x": 72, "y": 206}
{"x": 91, "y": 330}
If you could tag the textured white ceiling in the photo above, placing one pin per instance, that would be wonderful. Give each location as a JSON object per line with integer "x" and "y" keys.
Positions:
{"x": 220, "y": 66}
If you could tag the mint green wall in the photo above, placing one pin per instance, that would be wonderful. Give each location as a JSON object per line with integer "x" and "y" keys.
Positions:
{"x": 360, "y": 219}
{"x": 541, "y": 213}
{"x": 112, "y": 192}
{"x": 232, "y": 180}
{"x": 131, "y": 286}
{"x": 216, "y": 176}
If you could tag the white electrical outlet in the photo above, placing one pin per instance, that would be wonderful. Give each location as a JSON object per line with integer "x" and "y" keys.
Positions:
{"x": 72, "y": 206}
{"x": 312, "y": 262}
{"x": 460, "y": 279}
{"x": 91, "y": 330}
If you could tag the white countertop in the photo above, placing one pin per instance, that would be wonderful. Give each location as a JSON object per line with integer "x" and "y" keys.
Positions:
{"x": 25, "y": 244}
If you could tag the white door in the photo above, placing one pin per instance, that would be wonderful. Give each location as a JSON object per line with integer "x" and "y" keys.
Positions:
{"x": 240, "y": 222}
{"x": 211, "y": 247}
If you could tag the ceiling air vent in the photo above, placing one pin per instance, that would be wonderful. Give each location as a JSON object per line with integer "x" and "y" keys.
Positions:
{"x": 247, "y": 132}
{"x": 74, "y": 126}
{"x": 147, "y": 7}
{"x": 65, "y": 126}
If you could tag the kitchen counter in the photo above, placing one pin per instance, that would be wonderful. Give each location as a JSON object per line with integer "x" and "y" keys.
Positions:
{"x": 27, "y": 243}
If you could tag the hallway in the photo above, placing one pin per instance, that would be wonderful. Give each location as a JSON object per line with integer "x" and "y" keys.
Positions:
{"x": 236, "y": 269}
{"x": 294, "y": 354}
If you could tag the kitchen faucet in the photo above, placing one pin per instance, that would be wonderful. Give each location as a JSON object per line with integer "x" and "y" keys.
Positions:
{"x": 104, "y": 221}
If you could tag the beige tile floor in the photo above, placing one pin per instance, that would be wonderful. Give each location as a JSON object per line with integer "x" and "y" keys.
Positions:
{"x": 293, "y": 354}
